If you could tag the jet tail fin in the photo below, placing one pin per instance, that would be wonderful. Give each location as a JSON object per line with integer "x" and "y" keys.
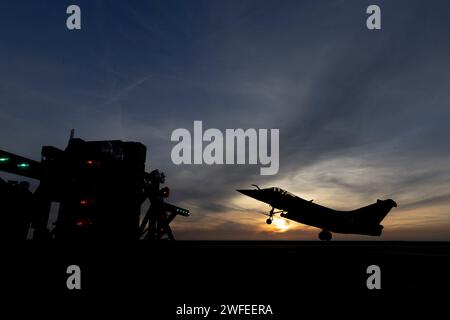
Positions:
{"x": 374, "y": 213}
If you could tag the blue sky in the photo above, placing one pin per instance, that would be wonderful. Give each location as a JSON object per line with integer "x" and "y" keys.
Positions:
{"x": 362, "y": 114}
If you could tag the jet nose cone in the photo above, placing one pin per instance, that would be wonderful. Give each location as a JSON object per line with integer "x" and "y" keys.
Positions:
{"x": 255, "y": 194}
{"x": 244, "y": 191}
{"x": 248, "y": 192}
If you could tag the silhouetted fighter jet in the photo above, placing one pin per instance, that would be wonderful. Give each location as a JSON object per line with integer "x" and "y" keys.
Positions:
{"x": 365, "y": 220}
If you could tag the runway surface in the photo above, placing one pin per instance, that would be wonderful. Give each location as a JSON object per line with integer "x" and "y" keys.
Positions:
{"x": 162, "y": 276}
{"x": 404, "y": 264}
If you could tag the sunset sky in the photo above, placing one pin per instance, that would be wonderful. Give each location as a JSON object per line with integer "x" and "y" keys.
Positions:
{"x": 363, "y": 115}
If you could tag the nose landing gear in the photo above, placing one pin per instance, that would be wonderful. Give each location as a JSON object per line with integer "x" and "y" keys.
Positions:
{"x": 270, "y": 219}
{"x": 325, "y": 235}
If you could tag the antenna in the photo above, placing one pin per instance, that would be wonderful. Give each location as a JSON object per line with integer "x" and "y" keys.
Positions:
{"x": 72, "y": 134}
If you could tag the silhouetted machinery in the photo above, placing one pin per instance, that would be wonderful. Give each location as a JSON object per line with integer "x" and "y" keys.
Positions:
{"x": 100, "y": 186}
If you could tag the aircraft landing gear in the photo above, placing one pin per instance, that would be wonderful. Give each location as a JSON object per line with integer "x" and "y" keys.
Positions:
{"x": 270, "y": 219}
{"x": 325, "y": 235}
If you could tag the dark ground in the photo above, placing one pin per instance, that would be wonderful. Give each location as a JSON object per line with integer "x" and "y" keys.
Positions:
{"x": 288, "y": 275}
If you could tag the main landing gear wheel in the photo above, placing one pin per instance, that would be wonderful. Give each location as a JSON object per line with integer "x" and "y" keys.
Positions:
{"x": 325, "y": 235}
{"x": 269, "y": 221}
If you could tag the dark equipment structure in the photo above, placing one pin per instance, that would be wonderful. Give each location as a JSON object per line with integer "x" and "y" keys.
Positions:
{"x": 100, "y": 187}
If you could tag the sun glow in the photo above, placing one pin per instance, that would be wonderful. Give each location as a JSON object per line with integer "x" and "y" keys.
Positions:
{"x": 281, "y": 225}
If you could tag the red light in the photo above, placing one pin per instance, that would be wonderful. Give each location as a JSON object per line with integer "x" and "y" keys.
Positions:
{"x": 83, "y": 222}
{"x": 165, "y": 192}
{"x": 93, "y": 163}
{"x": 87, "y": 202}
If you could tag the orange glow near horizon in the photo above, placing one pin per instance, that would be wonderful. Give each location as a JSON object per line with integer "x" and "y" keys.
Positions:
{"x": 280, "y": 224}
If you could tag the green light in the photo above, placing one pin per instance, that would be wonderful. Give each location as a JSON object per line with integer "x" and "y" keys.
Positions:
{"x": 23, "y": 165}
{"x": 4, "y": 159}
